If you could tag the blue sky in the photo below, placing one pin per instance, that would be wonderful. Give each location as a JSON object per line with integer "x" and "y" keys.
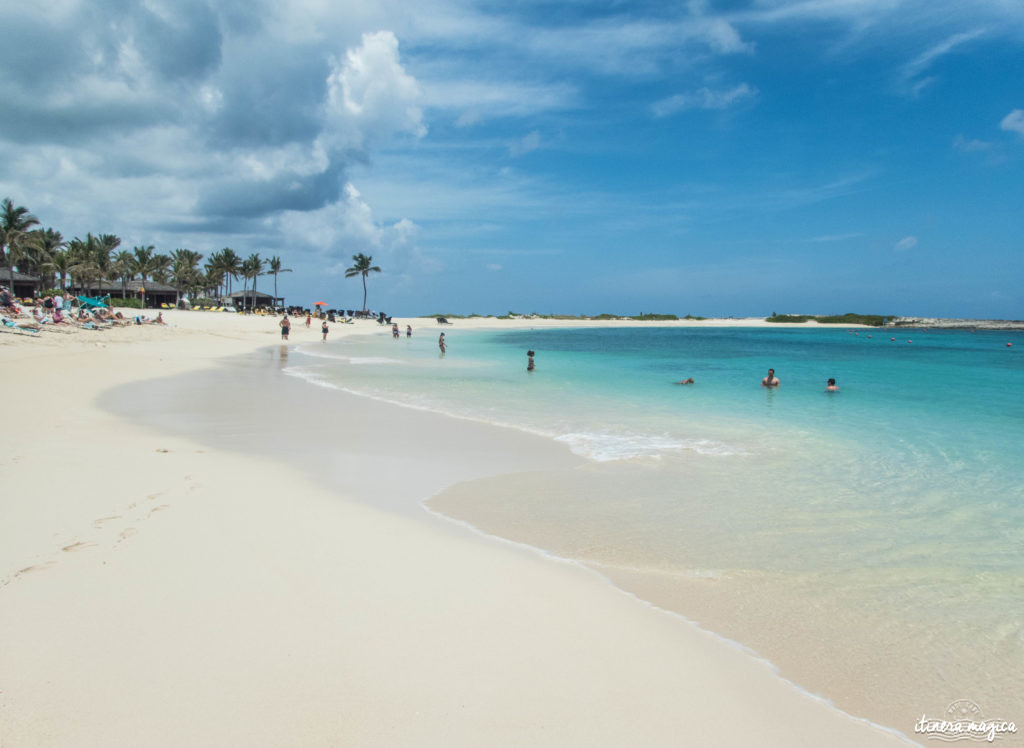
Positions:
{"x": 732, "y": 158}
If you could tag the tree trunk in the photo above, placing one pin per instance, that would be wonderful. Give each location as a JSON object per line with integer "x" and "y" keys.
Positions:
{"x": 364, "y": 293}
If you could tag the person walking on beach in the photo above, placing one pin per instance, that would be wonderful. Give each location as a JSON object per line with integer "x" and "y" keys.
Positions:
{"x": 771, "y": 380}
{"x": 309, "y": 318}
{"x": 323, "y": 329}
{"x": 408, "y": 331}
{"x": 441, "y": 344}
{"x": 286, "y": 326}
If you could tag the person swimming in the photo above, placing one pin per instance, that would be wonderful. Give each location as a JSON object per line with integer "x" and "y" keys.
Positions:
{"x": 831, "y": 386}
{"x": 685, "y": 381}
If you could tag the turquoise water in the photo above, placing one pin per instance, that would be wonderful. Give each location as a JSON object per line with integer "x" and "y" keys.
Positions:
{"x": 888, "y": 516}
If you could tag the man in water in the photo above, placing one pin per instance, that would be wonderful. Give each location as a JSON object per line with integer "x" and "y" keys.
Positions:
{"x": 771, "y": 380}
{"x": 686, "y": 381}
{"x": 441, "y": 344}
{"x": 831, "y": 386}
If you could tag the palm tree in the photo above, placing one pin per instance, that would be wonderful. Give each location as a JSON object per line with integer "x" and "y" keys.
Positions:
{"x": 143, "y": 266}
{"x": 62, "y": 263}
{"x": 251, "y": 268}
{"x": 90, "y": 263}
{"x": 104, "y": 246}
{"x": 42, "y": 245}
{"x": 14, "y": 222}
{"x": 143, "y": 263}
{"x": 184, "y": 269}
{"x": 232, "y": 265}
{"x": 274, "y": 263}
{"x": 123, "y": 268}
{"x": 362, "y": 266}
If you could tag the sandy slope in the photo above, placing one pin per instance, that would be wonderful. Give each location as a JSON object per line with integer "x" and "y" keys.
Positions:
{"x": 156, "y": 591}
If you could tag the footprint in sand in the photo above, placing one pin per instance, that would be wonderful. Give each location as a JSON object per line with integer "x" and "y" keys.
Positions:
{"x": 126, "y": 533}
{"x": 27, "y": 570}
{"x": 103, "y": 520}
{"x": 152, "y": 496}
{"x": 79, "y": 546}
{"x": 159, "y": 508}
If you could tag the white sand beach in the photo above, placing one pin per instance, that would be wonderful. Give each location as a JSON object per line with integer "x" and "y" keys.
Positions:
{"x": 156, "y": 589}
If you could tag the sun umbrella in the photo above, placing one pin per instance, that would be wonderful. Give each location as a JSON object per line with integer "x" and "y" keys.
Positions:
{"x": 320, "y": 303}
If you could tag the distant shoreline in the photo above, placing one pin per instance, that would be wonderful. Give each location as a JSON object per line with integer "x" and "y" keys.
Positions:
{"x": 939, "y": 323}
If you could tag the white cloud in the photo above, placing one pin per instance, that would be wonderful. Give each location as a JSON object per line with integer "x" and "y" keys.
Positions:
{"x": 370, "y": 94}
{"x": 481, "y": 100}
{"x": 525, "y": 144}
{"x": 1014, "y": 122}
{"x": 704, "y": 98}
{"x": 906, "y": 243}
{"x": 494, "y": 267}
{"x": 964, "y": 145}
{"x": 909, "y": 74}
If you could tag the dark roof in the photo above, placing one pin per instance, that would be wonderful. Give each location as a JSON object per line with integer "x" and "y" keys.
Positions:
{"x": 133, "y": 285}
{"x": 18, "y": 277}
{"x": 250, "y": 294}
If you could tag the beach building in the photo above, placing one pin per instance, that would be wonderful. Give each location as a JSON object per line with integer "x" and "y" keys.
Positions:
{"x": 156, "y": 293}
{"x": 243, "y": 300}
{"x": 23, "y": 285}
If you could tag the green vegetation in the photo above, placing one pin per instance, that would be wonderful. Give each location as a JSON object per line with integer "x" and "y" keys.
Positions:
{"x": 362, "y": 265}
{"x": 99, "y": 259}
{"x": 566, "y": 317}
{"x": 874, "y": 320}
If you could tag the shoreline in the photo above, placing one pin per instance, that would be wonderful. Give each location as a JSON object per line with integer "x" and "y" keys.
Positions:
{"x": 105, "y": 538}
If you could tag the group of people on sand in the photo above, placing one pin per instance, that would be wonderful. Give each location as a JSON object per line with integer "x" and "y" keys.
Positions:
{"x": 286, "y": 327}
{"x": 773, "y": 381}
{"x": 57, "y": 310}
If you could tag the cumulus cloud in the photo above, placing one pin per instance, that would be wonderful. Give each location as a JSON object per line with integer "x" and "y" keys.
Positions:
{"x": 369, "y": 94}
{"x": 906, "y": 243}
{"x": 704, "y": 98}
{"x": 494, "y": 267}
{"x": 1014, "y": 122}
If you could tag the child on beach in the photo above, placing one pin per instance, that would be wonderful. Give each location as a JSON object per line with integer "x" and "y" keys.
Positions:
{"x": 309, "y": 318}
{"x": 323, "y": 329}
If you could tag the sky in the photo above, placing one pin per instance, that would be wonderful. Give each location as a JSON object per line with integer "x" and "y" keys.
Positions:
{"x": 732, "y": 158}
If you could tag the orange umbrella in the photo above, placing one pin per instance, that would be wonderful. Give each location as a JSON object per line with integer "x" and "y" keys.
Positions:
{"x": 320, "y": 303}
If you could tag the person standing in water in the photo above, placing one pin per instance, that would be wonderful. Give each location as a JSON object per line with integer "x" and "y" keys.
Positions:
{"x": 771, "y": 380}
{"x": 441, "y": 344}
{"x": 408, "y": 331}
{"x": 832, "y": 386}
{"x": 529, "y": 361}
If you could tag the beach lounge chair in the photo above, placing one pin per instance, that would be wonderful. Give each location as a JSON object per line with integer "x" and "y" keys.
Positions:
{"x": 92, "y": 303}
